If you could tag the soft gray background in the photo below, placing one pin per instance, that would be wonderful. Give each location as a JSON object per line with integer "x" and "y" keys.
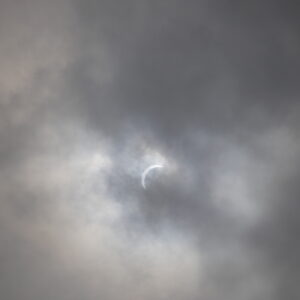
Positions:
{"x": 92, "y": 92}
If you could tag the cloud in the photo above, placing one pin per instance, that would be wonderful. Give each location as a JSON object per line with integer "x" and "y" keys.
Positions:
{"x": 92, "y": 93}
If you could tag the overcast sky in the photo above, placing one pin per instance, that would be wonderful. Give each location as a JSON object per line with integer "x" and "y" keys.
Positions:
{"x": 92, "y": 92}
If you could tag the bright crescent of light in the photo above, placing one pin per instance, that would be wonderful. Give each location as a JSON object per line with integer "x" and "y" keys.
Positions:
{"x": 145, "y": 173}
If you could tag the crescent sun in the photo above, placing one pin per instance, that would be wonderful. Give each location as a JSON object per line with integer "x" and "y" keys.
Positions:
{"x": 146, "y": 172}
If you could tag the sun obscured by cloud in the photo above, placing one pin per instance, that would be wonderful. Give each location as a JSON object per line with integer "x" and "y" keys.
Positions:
{"x": 94, "y": 92}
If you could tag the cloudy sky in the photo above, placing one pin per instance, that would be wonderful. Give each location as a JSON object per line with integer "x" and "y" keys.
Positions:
{"x": 92, "y": 92}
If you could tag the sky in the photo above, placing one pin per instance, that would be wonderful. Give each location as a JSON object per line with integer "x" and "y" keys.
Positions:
{"x": 93, "y": 92}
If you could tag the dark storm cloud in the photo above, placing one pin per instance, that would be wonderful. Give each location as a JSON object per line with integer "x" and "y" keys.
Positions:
{"x": 192, "y": 65}
{"x": 90, "y": 90}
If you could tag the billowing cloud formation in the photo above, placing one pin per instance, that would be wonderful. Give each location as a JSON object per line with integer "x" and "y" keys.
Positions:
{"x": 92, "y": 93}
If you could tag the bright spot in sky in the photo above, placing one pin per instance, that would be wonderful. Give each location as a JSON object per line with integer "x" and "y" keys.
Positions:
{"x": 146, "y": 172}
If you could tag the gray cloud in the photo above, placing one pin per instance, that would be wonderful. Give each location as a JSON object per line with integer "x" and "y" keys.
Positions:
{"x": 92, "y": 92}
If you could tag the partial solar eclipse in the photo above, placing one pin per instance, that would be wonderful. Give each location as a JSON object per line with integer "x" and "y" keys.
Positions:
{"x": 147, "y": 171}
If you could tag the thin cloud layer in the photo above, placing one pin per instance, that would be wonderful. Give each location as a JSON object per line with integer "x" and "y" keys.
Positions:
{"x": 92, "y": 93}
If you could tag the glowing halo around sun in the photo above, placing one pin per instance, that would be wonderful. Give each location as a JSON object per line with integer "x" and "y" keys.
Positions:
{"x": 147, "y": 171}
